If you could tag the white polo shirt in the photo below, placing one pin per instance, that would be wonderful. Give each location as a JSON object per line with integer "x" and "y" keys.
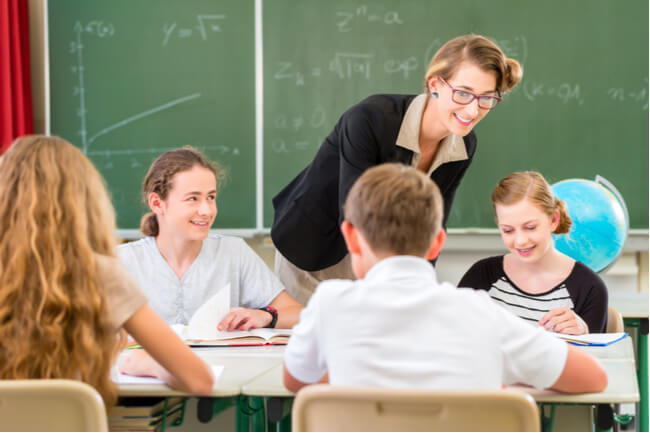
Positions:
{"x": 399, "y": 328}
{"x": 222, "y": 260}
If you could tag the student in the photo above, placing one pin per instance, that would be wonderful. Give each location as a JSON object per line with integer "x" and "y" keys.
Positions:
{"x": 398, "y": 327}
{"x": 63, "y": 294}
{"x": 179, "y": 265}
{"x": 534, "y": 280}
{"x": 432, "y": 131}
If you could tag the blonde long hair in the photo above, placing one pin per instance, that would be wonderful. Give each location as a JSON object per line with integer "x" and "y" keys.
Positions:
{"x": 55, "y": 215}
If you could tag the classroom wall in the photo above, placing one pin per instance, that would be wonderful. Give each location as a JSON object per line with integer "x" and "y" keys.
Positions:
{"x": 629, "y": 273}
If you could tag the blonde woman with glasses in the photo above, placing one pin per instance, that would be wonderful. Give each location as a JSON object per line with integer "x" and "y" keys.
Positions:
{"x": 432, "y": 131}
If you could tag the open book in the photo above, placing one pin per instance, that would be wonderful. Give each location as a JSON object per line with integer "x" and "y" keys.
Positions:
{"x": 202, "y": 328}
{"x": 592, "y": 339}
{"x": 254, "y": 337}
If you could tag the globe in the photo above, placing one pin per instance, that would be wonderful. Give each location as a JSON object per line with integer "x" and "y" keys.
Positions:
{"x": 600, "y": 221}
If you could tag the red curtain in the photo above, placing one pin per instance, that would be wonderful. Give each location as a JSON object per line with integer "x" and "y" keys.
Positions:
{"x": 16, "y": 117}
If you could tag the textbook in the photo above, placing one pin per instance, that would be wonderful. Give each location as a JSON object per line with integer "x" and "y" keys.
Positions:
{"x": 202, "y": 330}
{"x": 592, "y": 339}
{"x": 254, "y": 337}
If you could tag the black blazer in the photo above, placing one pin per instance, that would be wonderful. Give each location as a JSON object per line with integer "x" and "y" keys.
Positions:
{"x": 308, "y": 211}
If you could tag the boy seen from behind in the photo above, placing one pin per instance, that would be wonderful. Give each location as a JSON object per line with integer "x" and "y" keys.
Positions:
{"x": 398, "y": 327}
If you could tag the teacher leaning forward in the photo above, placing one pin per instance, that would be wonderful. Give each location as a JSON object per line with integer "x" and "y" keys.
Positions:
{"x": 432, "y": 131}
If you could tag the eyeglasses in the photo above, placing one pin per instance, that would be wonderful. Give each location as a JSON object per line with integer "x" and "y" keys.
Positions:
{"x": 464, "y": 97}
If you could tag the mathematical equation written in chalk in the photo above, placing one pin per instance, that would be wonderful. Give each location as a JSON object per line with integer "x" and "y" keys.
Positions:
{"x": 353, "y": 65}
{"x": 204, "y": 27}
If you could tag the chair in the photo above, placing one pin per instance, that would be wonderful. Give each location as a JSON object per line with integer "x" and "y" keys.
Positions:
{"x": 614, "y": 320}
{"x": 50, "y": 405}
{"x": 335, "y": 408}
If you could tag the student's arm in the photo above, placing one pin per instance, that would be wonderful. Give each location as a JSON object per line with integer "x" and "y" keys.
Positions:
{"x": 590, "y": 312}
{"x": 535, "y": 357}
{"x": 288, "y": 310}
{"x": 593, "y": 305}
{"x": 581, "y": 373}
{"x": 244, "y": 319}
{"x": 294, "y": 385}
{"x": 167, "y": 357}
{"x": 564, "y": 321}
{"x": 304, "y": 356}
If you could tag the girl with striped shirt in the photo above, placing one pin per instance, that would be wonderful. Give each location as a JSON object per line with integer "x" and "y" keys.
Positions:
{"x": 534, "y": 280}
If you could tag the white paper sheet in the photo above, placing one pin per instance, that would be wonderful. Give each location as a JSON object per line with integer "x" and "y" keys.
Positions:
{"x": 125, "y": 379}
{"x": 203, "y": 324}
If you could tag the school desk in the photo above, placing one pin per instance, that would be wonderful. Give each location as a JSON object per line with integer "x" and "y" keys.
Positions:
{"x": 241, "y": 366}
{"x": 634, "y": 309}
{"x": 267, "y": 390}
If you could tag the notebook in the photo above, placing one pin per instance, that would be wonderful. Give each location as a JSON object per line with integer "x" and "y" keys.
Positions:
{"x": 592, "y": 339}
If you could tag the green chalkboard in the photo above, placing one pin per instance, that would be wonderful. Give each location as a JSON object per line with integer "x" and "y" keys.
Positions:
{"x": 581, "y": 110}
{"x": 132, "y": 79}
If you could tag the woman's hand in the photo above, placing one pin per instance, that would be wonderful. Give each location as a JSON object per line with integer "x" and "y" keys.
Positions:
{"x": 564, "y": 320}
{"x": 243, "y": 319}
{"x": 139, "y": 363}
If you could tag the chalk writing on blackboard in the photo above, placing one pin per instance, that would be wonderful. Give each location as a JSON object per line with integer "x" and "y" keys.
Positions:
{"x": 347, "y": 19}
{"x": 565, "y": 92}
{"x": 401, "y": 66}
{"x": 347, "y": 65}
{"x": 637, "y": 95}
{"x": 205, "y": 25}
{"x": 102, "y": 30}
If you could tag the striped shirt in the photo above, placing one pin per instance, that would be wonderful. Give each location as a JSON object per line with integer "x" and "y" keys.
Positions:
{"x": 528, "y": 306}
{"x": 583, "y": 291}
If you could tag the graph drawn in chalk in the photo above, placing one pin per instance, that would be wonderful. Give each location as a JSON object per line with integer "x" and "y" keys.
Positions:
{"x": 76, "y": 47}
{"x": 139, "y": 116}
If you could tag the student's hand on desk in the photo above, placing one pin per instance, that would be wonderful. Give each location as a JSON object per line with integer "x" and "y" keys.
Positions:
{"x": 564, "y": 320}
{"x": 243, "y": 319}
{"x": 139, "y": 363}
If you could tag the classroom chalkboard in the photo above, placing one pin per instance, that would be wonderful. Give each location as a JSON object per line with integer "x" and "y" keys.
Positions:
{"x": 130, "y": 80}
{"x": 581, "y": 109}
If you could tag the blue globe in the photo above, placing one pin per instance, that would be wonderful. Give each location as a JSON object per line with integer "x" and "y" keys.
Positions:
{"x": 600, "y": 221}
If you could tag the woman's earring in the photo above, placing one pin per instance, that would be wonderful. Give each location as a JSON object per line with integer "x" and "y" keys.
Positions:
{"x": 434, "y": 94}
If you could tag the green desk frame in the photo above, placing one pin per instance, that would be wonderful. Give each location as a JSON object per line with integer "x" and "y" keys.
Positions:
{"x": 641, "y": 325}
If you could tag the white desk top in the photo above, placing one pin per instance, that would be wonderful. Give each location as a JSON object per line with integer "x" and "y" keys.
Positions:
{"x": 269, "y": 383}
{"x": 621, "y": 388}
{"x": 617, "y": 358}
{"x": 623, "y": 349}
{"x": 630, "y": 305}
{"x": 241, "y": 365}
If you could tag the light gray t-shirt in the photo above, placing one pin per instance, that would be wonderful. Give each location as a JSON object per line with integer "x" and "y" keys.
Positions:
{"x": 222, "y": 260}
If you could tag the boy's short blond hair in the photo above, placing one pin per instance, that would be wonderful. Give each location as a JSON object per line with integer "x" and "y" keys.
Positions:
{"x": 397, "y": 208}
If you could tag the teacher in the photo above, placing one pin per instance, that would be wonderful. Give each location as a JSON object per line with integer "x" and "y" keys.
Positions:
{"x": 431, "y": 131}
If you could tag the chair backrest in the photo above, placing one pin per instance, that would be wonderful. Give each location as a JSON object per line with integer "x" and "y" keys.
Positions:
{"x": 614, "y": 320}
{"x": 50, "y": 405}
{"x": 334, "y": 408}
